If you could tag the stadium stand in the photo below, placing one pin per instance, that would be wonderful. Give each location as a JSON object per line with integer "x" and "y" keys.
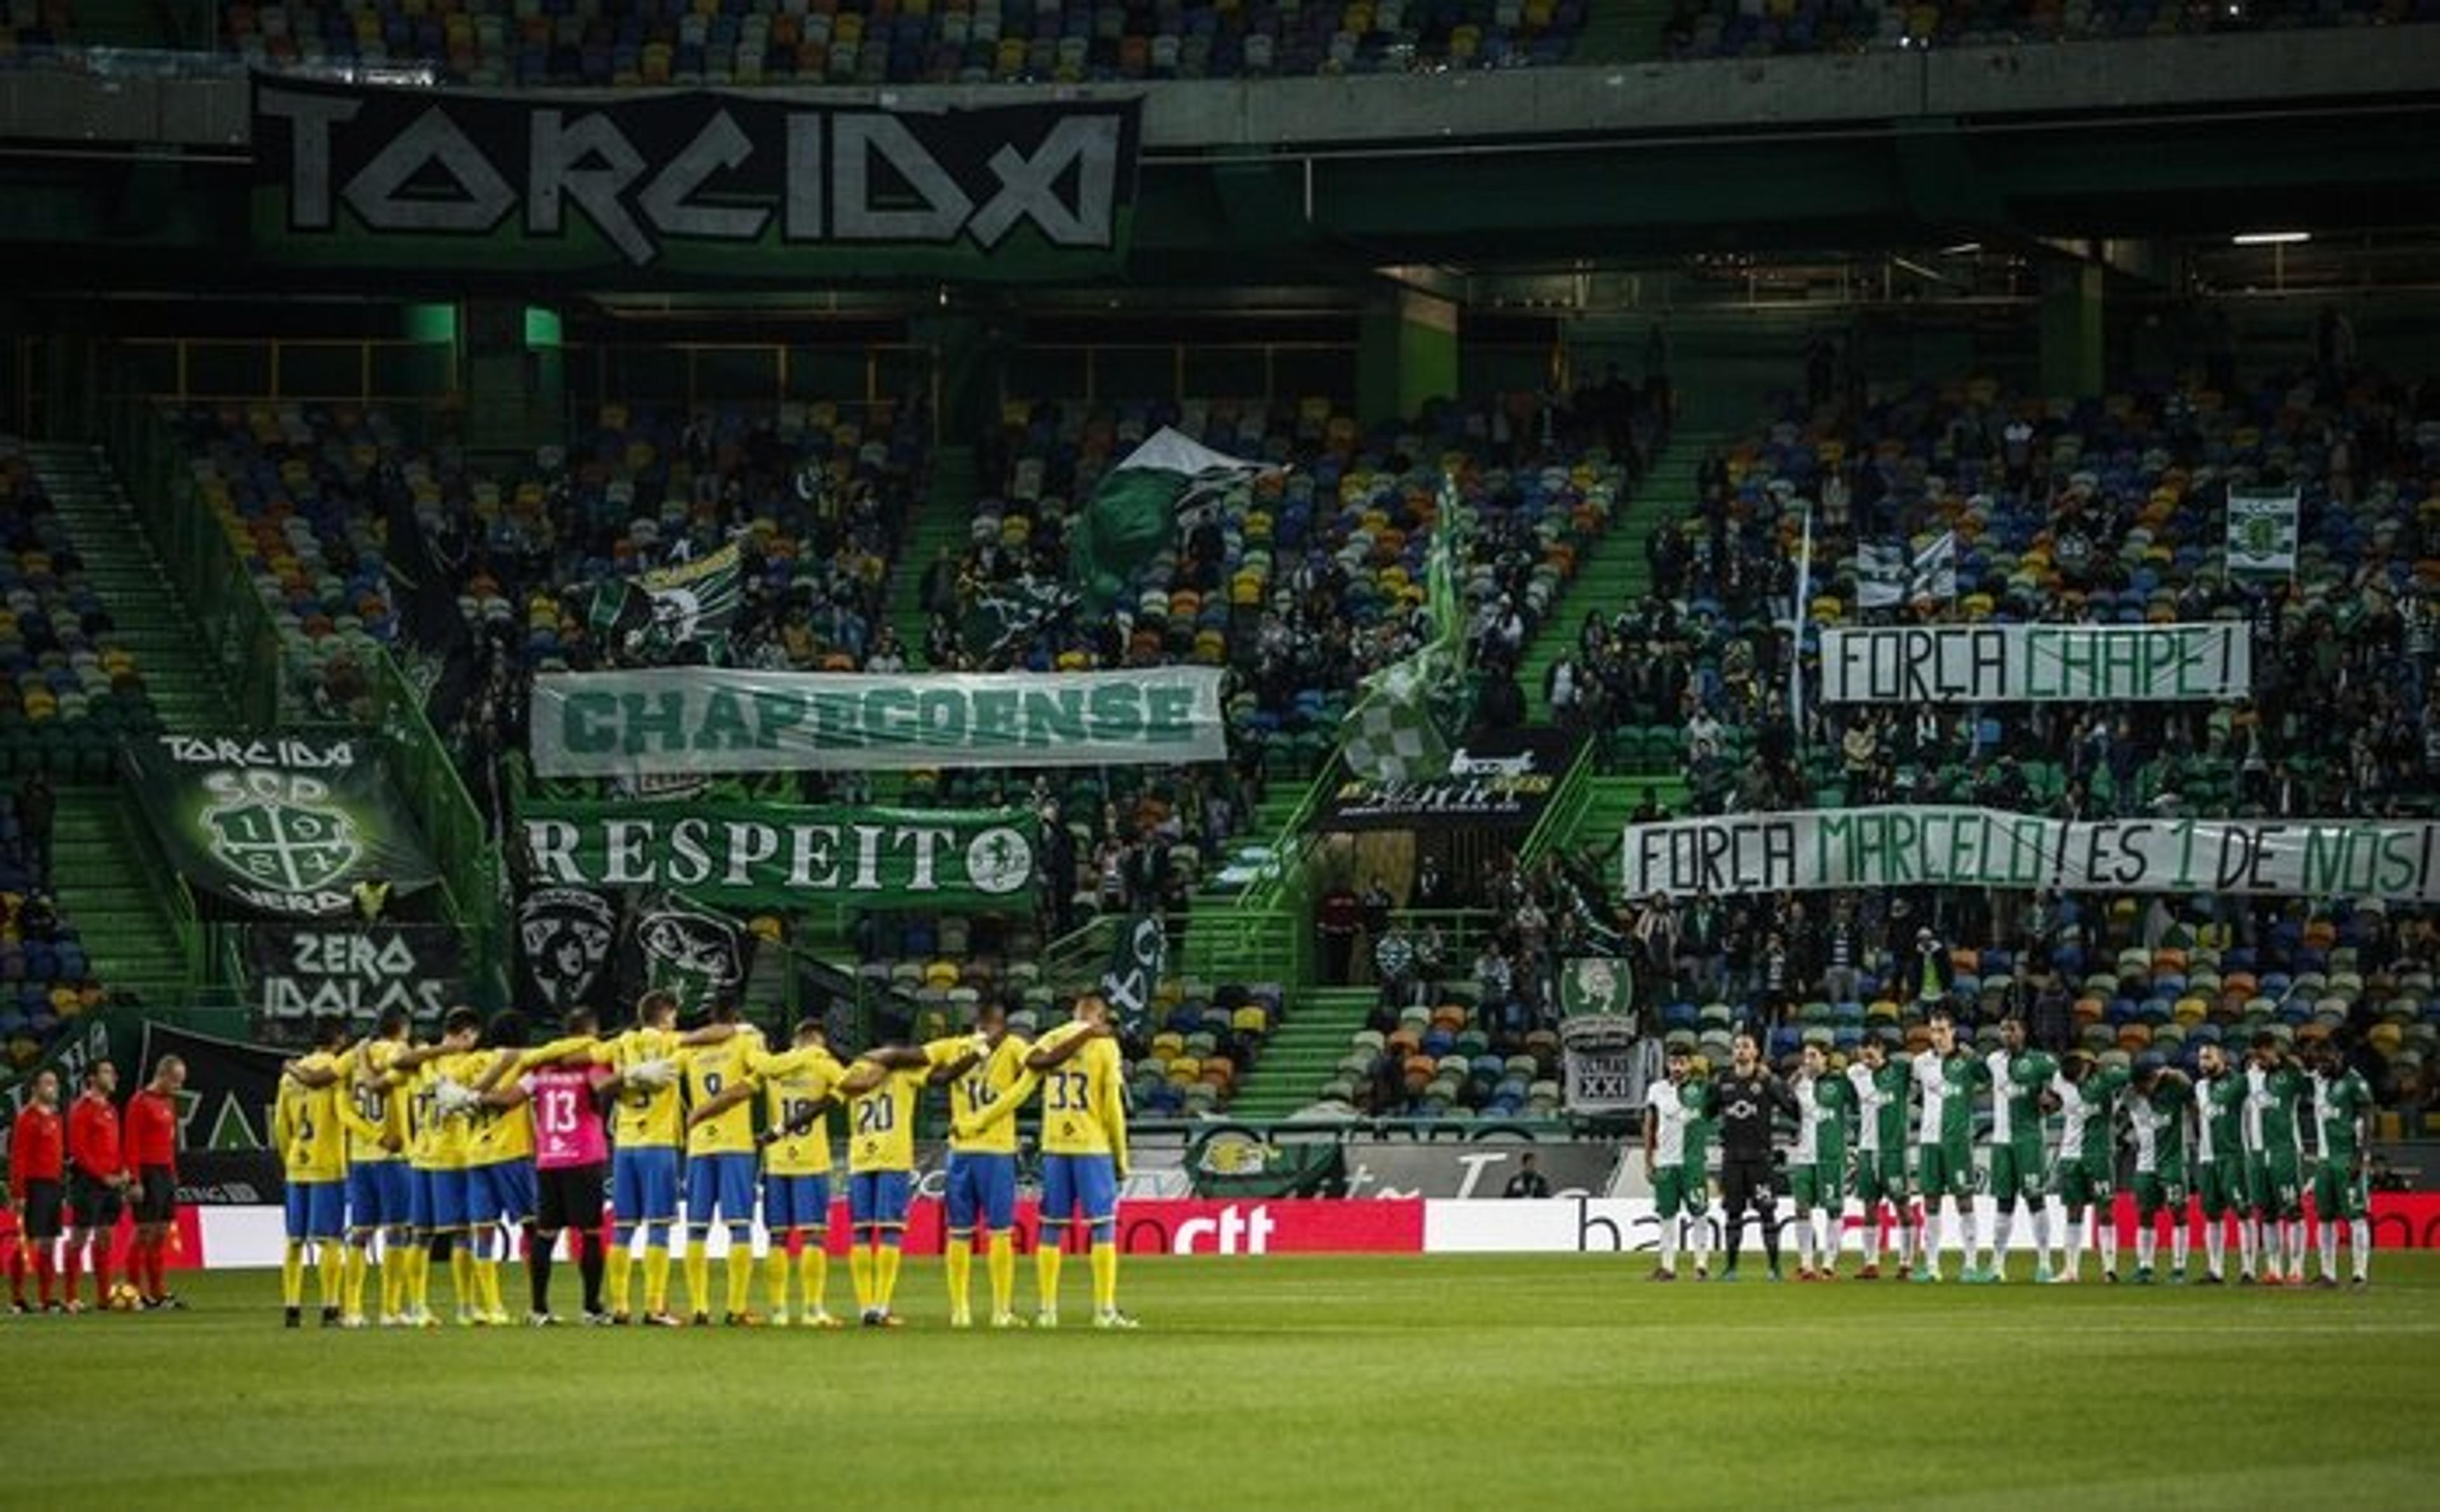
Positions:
{"x": 69, "y": 689}
{"x": 874, "y": 42}
{"x": 1755, "y": 28}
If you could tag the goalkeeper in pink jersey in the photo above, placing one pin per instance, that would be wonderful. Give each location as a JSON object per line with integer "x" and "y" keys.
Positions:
{"x": 571, "y": 1164}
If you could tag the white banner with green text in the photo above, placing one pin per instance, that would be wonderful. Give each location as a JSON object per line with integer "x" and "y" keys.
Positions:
{"x": 1965, "y": 846}
{"x": 655, "y": 721}
{"x": 2035, "y": 664}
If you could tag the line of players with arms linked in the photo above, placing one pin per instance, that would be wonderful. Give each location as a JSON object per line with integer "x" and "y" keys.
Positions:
{"x": 402, "y": 1157}
{"x": 2247, "y": 1140}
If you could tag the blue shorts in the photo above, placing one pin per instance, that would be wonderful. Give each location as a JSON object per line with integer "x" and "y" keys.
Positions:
{"x": 795, "y": 1202}
{"x": 316, "y": 1210}
{"x": 984, "y": 1185}
{"x": 378, "y": 1195}
{"x": 1074, "y": 1183}
{"x": 724, "y": 1182}
{"x": 644, "y": 1185}
{"x": 436, "y": 1201}
{"x": 877, "y": 1200}
{"x": 500, "y": 1192}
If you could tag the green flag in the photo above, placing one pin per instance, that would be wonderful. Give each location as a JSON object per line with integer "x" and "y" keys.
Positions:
{"x": 680, "y": 613}
{"x": 1393, "y": 734}
{"x": 1138, "y": 503}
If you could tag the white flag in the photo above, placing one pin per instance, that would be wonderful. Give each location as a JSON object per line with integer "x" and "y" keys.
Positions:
{"x": 1885, "y": 575}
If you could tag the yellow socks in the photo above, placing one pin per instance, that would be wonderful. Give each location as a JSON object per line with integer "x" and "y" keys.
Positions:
{"x": 859, "y": 1271}
{"x": 1046, "y": 1274}
{"x": 775, "y": 1278}
{"x": 885, "y": 1284}
{"x": 814, "y": 1273}
{"x": 353, "y": 1280}
{"x": 292, "y": 1274}
{"x": 960, "y": 1261}
{"x": 657, "y": 1278}
{"x": 698, "y": 1274}
{"x": 741, "y": 1271}
{"x": 1106, "y": 1277}
{"x": 393, "y": 1280}
{"x": 618, "y": 1276}
{"x": 333, "y": 1263}
{"x": 419, "y": 1276}
{"x": 461, "y": 1277}
{"x": 1002, "y": 1261}
{"x": 487, "y": 1274}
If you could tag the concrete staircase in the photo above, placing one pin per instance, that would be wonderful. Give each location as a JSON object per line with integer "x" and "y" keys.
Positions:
{"x": 1615, "y": 573}
{"x": 941, "y": 520}
{"x": 108, "y": 886}
{"x": 170, "y": 654}
{"x": 1315, "y": 1031}
{"x": 108, "y": 883}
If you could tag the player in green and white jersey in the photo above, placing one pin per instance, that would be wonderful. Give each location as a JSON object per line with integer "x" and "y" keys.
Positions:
{"x": 1674, "y": 1152}
{"x": 2156, "y": 1108}
{"x": 2342, "y": 1109}
{"x": 1880, "y": 1087}
{"x": 2219, "y": 1164}
{"x": 1816, "y": 1167}
{"x": 2018, "y": 1075}
{"x": 2274, "y": 1157}
{"x": 1946, "y": 1074}
{"x": 2085, "y": 1175}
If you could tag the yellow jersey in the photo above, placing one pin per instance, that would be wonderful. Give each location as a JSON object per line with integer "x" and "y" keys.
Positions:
{"x": 711, "y": 1070}
{"x": 305, "y": 1124}
{"x": 371, "y": 1104}
{"x": 881, "y": 1124}
{"x": 450, "y": 1136}
{"x": 1083, "y": 1107}
{"x": 648, "y": 1117}
{"x": 792, "y": 1082}
{"x": 498, "y": 1134}
{"x": 997, "y": 1076}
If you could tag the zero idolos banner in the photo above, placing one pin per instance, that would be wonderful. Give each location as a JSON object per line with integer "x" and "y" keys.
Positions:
{"x": 2032, "y": 664}
{"x": 689, "y": 183}
{"x": 770, "y": 855}
{"x": 283, "y": 826}
{"x": 659, "y": 721}
{"x": 1965, "y": 846}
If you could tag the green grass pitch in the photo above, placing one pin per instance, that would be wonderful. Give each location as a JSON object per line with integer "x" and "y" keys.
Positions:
{"x": 1283, "y": 1382}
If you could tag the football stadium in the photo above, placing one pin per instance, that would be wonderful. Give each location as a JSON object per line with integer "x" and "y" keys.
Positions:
{"x": 1279, "y": 754}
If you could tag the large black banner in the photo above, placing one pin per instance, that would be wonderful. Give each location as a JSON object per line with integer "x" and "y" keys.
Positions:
{"x": 284, "y": 826}
{"x": 1496, "y": 780}
{"x": 696, "y": 185}
{"x": 359, "y": 972}
{"x": 224, "y": 1116}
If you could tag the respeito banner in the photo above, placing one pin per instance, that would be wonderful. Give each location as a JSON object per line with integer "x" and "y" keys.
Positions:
{"x": 691, "y": 184}
{"x": 658, "y": 721}
{"x": 285, "y": 826}
{"x": 782, "y": 856}
{"x": 2033, "y": 663}
{"x": 1961, "y": 846}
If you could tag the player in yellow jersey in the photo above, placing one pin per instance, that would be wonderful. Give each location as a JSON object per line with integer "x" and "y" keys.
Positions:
{"x": 982, "y": 1169}
{"x": 314, "y": 1155}
{"x": 881, "y": 1088}
{"x": 375, "y": 1114}
{"x": 720, "y": 1161}
{"x": 435, "y": 1195}
{"x": 800, "y": 1086}
{"x": 1084, "y": 1154}
{"x": 500, "y": 1163}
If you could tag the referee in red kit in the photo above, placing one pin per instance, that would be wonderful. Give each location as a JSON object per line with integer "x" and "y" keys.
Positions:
{"x": 37, "y": 1162}
{"x": 151, "y": 1140}
{"x": 97, "y": 1182}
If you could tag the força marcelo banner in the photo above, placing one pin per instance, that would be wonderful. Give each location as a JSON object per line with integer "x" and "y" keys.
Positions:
{"x": 2397, "y": 861}
{"x": 2033, "y": 663}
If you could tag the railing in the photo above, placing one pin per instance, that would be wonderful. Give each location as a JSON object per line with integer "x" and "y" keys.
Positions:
{"x": 854, "y": 373}
{"x": 202, "y": 562}
{"x": 185, "y": 921}
{"x": 408, "y": 376}
{"x": 1097, "y": 371}
{"x": 1567, "y": 809}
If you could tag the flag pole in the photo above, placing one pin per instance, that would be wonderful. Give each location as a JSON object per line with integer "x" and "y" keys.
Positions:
{"x": 1796, "y": 627}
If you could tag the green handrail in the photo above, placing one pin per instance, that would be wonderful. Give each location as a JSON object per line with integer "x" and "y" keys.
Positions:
{"x": 1567, "y": 806}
